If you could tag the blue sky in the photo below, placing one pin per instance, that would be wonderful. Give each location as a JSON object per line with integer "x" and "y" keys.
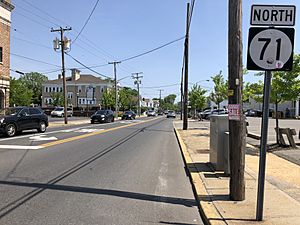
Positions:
{"x": 122, "y": 28}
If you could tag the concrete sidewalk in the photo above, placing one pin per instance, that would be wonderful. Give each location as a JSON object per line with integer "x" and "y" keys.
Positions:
{"x": 282, "y": 188}
{"x": 70, "y": 123}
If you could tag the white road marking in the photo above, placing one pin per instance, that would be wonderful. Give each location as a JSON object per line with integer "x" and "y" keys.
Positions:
{"x": 42, "y": 138}
{"x": 87, "y": 130}
{"x": 20, "y": 147}
{"x": 59, "y": 131}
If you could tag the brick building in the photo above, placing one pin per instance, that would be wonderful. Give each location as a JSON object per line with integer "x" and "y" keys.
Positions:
{"x": 5, "y": 19}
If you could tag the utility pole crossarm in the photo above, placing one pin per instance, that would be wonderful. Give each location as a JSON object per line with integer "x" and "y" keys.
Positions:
{"x": 137, "y": 81}
{"x": 62, "y": 46}
{"x": 116, "y": 88}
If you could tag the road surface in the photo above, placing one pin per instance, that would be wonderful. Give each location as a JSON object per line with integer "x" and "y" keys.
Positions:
{"x": 127, "y": 172}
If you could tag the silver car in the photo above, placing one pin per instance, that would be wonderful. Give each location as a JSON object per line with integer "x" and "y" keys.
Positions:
{"x": 171, "y": 113}
{"x": 59, "y": 112}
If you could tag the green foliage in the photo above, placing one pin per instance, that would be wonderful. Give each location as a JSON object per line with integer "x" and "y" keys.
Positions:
{"x": 285, "y": 86}
{"x": 219, "y": 93}
{"x": 57, "y": 99}
{"x": 20, "y": 95}
{"x": 128, "y": 98}
{"x": 254, "y": 91}
{"x": 197, "y": 97}
{"x": 108, "y": 99}
{"x": 168, "y": 102}
{"x": 34, "y": 81}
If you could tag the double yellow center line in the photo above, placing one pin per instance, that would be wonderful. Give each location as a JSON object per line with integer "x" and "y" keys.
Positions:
{"x": 91, "y": 134}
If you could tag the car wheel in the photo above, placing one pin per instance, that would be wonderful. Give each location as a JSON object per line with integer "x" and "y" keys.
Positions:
{"x": 92, "y": 121}
{"x": 42, "y": 127}
{"x": 62, "y": 115}
{"x": 10, "y": 130}
{"x": 113, "y": 119}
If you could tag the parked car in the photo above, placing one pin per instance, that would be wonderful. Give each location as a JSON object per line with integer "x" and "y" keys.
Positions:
{"x": 171, "y": 113}
{"x": 59, "y": 112}
{"x": 128, "y": 115}
{"x": 103, "y": 116}
{"x": 204, "y": 114}
{"x": 151, "y": 113}
{"x": 166, "y": 112}
{"x": 17, "y": 119}
{"x": 217, "y": 112}
{"x": 253, "y": 113}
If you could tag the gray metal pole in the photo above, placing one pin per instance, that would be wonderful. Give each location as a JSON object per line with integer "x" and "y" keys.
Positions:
{"x": 263, "y": 145}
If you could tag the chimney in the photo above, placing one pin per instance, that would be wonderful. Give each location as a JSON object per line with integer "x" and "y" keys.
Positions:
{"x": 59, "y": 76}
{"x": 75, "y": 74}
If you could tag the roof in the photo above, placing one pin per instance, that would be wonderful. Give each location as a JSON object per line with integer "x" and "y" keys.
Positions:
{"x": 84, "y": 79}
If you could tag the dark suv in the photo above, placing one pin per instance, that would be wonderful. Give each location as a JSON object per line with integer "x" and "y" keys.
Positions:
{"x": 17, "y": 119}
{"x": 102, "y": 116}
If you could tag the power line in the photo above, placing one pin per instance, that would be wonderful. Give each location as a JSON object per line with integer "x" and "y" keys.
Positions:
{"x": 86, "y": 22}
{"x": 163, "y": 86}
{"x": 35, "y": 60}
{"x": 152, "y": 50}
{"x": 32, "y": 13}
{"x": 33, "y": 20}
{"x": 31, "y": 42}
{"x": 76, "y": 60}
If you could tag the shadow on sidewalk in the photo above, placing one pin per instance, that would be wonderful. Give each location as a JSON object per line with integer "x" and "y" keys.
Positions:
{"x": 209, "y": 198}
{"x": 199, "y": 167}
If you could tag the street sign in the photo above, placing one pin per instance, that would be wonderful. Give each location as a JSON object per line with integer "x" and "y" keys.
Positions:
{"x": 270, "y": 49}
{"x": 273, "y": 15}
{"x": 234, "y": 112}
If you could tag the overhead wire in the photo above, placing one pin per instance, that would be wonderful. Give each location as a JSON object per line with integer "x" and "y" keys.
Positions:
{"x": 88, "y": 19}
{"x": 76, "y": 60}
{"x": 35, "y": 60}
{"x": 152, "y": 50}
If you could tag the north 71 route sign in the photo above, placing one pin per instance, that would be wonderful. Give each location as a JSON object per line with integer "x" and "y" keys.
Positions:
{"x": 270, "y": 49}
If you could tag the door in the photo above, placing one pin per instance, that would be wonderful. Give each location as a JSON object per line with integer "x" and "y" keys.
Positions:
{"x": 24, "y": 119}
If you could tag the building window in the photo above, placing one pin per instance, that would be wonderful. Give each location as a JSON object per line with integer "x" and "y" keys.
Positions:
{"x": 61, "y": 89}
{"x": 1, "y": 54}
{"x": 46, "y": 89}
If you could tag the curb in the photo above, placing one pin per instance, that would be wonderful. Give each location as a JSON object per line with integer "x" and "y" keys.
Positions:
{"x": 208, "y": 211}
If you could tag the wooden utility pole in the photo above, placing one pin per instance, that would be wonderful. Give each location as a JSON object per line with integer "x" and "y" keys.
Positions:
{"x": 235, "y": 80}
{"x": 116, "y": 88}
{"x": 138, "y": 82}
{"x": 186, "y": 70}
{"x": 62, "y": 46}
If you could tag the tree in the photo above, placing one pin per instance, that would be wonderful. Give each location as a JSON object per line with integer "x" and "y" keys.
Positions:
{"x": 20, "y": 95}
{"x": 108, "y": 99}
{"x": 219, "y": 93}
{"x": 197, "y": 98}
{"x": 285, "y": 86}
{"x": 57, "y": 99}
{"x": 168, "y": 102}
{"x": 127, "y": 98}
{"x": 34, "y": 81}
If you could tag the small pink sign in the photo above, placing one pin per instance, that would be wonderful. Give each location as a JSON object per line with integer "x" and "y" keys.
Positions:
{"x": 234, "y": 112}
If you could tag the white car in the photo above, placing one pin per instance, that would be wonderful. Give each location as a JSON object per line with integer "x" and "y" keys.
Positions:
{"x": 151, "y": 113}
{"x": 59, "y": 112}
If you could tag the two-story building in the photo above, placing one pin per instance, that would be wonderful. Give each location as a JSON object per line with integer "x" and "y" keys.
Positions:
{"x": 150, "y": 103}
{"x": 5, "y": 20}
{"x": 83, "y": 90}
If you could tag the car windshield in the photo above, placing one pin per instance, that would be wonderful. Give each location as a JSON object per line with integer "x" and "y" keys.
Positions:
{"x": 101, "y": 112}
{"x": 128, "y": 113}
{"x": 171, "y": 111}
{"x": 59, "y": 109}
{"x": 10, "y": 111}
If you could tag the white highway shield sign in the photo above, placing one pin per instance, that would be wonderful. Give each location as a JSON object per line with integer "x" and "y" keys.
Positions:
{"x": 273, "y": 15}
{"x": 270, "y": 49}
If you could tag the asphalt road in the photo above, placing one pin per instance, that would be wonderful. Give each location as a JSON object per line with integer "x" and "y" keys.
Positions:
{"x": 127, "y": 172}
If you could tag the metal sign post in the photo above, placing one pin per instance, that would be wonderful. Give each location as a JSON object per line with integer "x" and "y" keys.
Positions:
{"x": 269, "y": 49}
{"x": 263, "y": 145}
